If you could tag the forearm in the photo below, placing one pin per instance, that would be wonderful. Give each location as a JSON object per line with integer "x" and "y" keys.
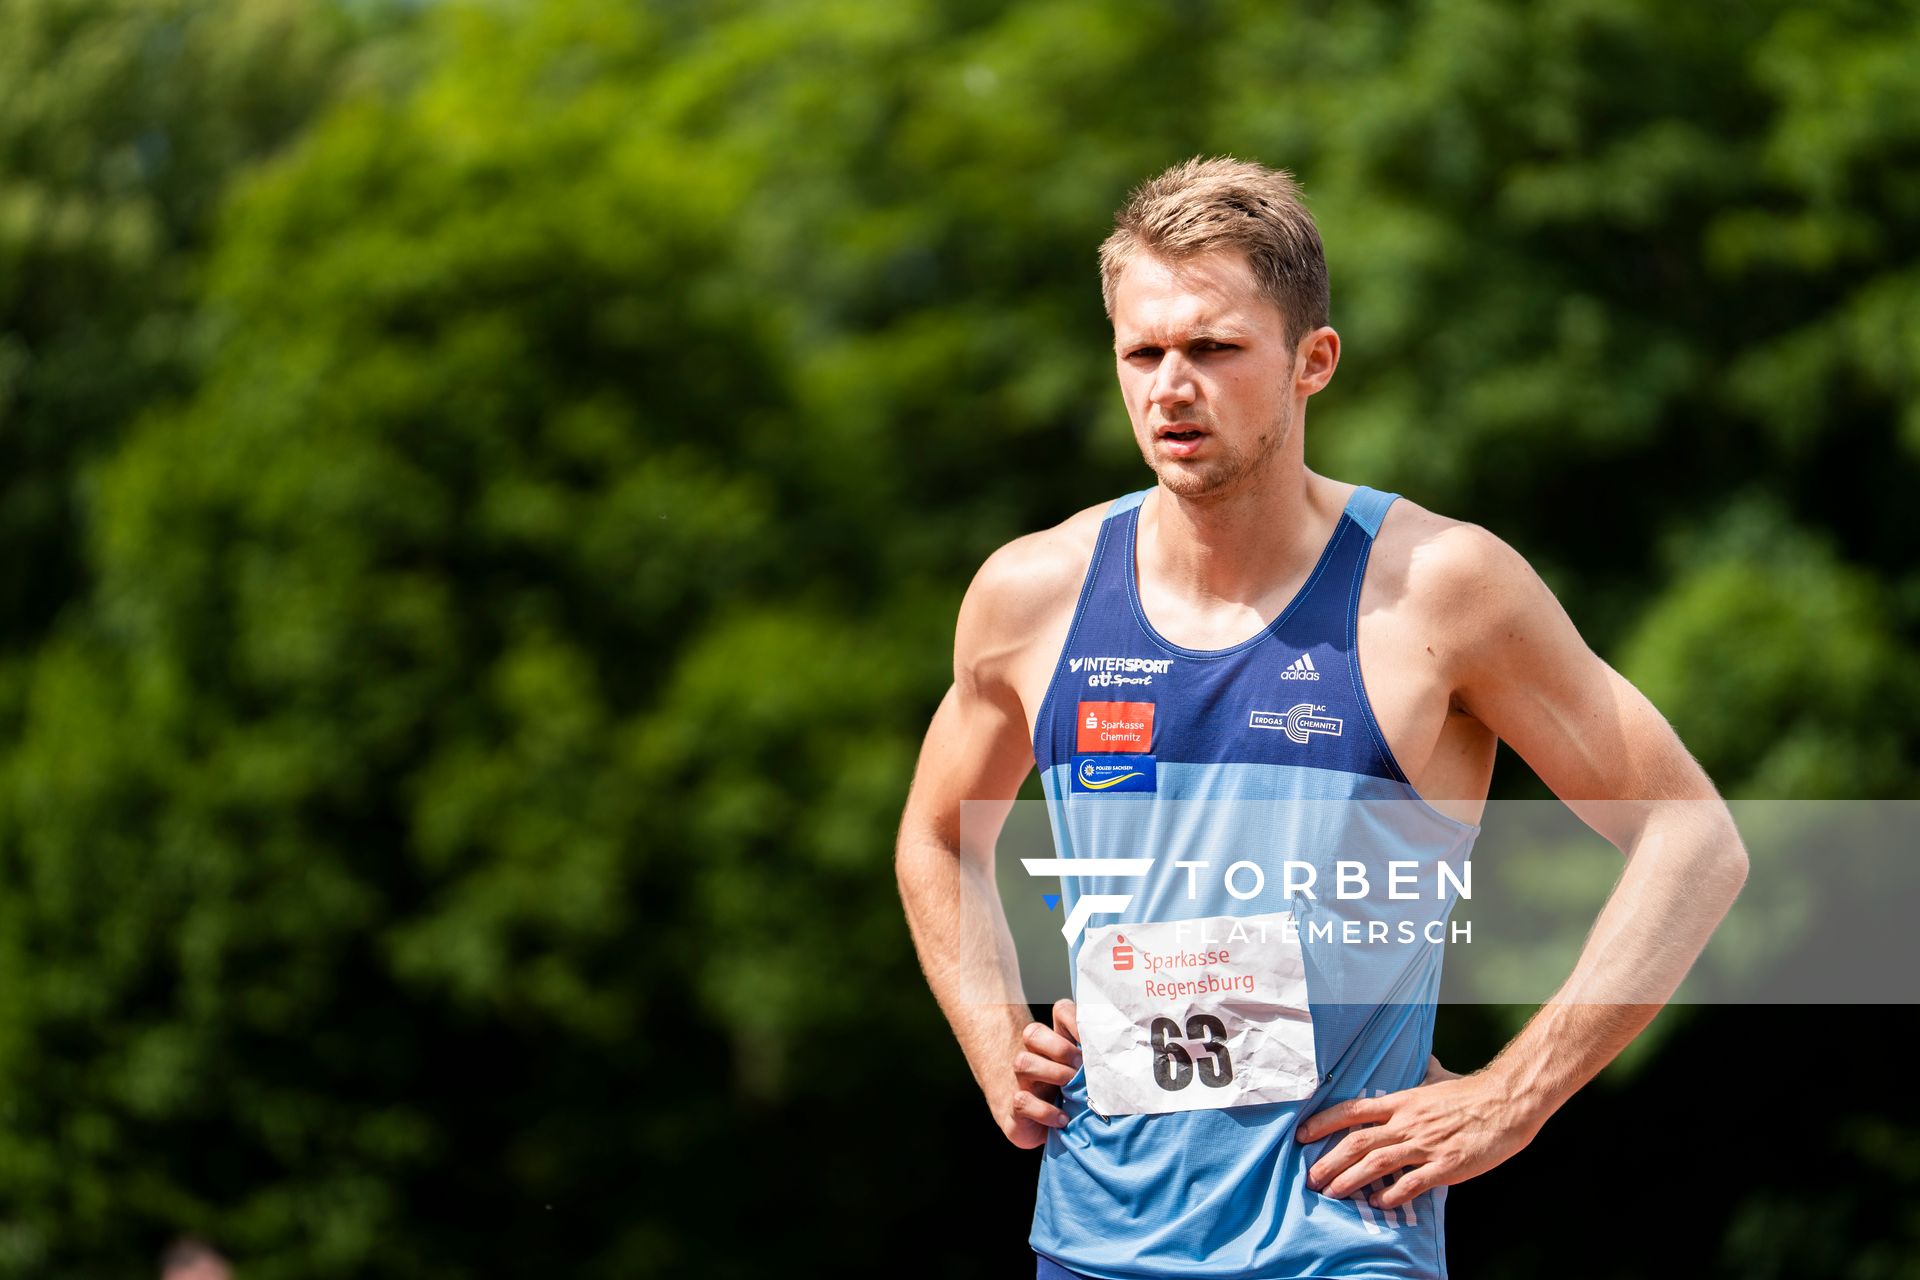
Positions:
{"x": 960, "y": 932}
{"x": 1682, "y": 874}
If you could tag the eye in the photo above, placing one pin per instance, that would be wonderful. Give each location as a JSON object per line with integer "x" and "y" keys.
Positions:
{"x": 1149, "y": 352}
{"x": 1213, "y": 346}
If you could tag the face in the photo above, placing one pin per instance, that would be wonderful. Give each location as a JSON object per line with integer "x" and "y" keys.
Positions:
{"x": 1211, "y": 383}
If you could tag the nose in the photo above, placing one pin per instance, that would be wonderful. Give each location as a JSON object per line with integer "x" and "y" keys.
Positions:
{"x": 1172, "y": 381}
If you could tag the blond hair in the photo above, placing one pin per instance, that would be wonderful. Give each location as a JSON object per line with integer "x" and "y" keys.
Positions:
{"x": 1224, "y": 203}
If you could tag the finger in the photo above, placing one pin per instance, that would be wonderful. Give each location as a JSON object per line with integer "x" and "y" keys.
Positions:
{"x": 1034, "y": 1108}
{"x": 1066, "y": 1019}
{"x": 1406, "y": 1187}
{"x": 1024, "y": 1133}
{"x": 1354, "y": 1147}
{"x": 1031, "y": 1067}
{"x": 1028, "y": 1136}
{"x": 1049, "y": 1043}
{"x": 1342, "y": 1114}
{"x": 1351, "y": 1148}
{"x": 1371, "y": 1169}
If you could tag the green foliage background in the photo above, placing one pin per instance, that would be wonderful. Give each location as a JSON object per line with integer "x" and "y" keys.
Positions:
{"x": 485, "y": 489}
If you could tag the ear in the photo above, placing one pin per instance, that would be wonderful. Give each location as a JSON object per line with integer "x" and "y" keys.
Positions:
{"x": 1317, "y": 356}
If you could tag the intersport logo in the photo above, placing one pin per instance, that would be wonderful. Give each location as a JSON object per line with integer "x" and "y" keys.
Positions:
{"x": 1118, "y": 666}
{"x": 1111, "y": 672}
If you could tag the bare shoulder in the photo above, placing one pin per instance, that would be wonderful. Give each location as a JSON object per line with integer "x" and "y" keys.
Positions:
{"x": 1031, "y": 577}
{"x": 1023, "y": 593}
{"x": 1469, "y": 590}
{"x": 1437, "y": 561}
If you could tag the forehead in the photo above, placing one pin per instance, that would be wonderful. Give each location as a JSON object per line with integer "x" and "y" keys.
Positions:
{"x": 1156, "y": 301}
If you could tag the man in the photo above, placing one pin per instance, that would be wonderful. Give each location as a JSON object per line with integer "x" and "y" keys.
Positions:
{"x": 1203, "y": 644}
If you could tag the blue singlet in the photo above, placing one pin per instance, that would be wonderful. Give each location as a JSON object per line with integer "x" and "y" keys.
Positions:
{"x": 1264, "y": 751}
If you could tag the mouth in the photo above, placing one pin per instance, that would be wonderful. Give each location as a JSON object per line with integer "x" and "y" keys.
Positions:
{"x": 1180, "y": 438}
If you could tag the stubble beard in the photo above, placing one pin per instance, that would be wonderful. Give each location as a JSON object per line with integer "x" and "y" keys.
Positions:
{"x": 1221, "y": 476}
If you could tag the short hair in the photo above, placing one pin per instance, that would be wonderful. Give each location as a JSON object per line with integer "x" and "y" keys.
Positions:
{"x": 1223, "y": 203}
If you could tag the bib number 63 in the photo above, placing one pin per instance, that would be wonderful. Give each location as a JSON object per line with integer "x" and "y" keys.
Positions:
{"x": 1174, "y": 1068}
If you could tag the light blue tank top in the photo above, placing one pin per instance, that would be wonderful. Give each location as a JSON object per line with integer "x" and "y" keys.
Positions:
{"x": 1265, "y": 751}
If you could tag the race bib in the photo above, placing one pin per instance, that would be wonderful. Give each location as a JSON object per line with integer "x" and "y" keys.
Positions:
{"x": 1187, "y": 1015}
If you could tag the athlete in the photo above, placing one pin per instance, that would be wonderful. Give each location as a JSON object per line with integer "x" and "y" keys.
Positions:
{"x": 1236, "y": 684}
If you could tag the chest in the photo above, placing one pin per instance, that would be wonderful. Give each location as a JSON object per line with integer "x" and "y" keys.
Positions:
{"x": 1327, "y": 696}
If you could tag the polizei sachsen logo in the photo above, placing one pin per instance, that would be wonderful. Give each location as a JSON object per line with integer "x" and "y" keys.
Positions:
{"x": 1114, "y": 773}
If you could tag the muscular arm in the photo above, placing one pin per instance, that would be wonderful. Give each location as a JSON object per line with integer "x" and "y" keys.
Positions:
{"x": 977, "y": 750}
{"x": 1519, "y": 666}
{"x": 1606, "y": 751}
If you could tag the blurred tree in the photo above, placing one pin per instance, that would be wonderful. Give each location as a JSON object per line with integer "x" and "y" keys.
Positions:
{"x": 489, "y": 459}
{"x": 467, "y": 793}
{"x": 120, "y": 123}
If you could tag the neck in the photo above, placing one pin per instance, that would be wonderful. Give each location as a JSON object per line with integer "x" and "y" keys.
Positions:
{"x": 1243, "y": 547}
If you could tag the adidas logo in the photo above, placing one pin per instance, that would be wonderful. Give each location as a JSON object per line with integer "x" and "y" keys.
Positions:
{"x": 1301, "y": 668}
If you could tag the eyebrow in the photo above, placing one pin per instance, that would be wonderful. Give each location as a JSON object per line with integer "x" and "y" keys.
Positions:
{"x": 1214, "y": 334}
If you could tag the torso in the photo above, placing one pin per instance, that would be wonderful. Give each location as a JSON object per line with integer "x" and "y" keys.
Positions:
{"x": 1265, "y": 723}
{"x": 1403, "y": 645}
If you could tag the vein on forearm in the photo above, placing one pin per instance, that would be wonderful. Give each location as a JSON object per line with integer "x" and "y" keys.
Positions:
{"x": 966, "y": 951}
{"x": 1683, "y": 871}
